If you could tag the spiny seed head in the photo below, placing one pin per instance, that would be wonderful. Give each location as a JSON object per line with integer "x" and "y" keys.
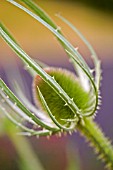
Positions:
{"x": 70, "y": 84}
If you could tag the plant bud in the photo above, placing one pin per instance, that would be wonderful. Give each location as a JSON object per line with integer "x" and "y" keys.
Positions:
{"x": 70, "y": 84}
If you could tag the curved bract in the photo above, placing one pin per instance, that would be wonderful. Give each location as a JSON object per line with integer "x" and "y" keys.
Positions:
{"x": 68, "y": 99}
{"x": 71, "y": 98}
{"x": 73, "y": 54}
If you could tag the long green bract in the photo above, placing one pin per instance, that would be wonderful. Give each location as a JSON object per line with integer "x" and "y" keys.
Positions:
{"x": 10, "y": 94}
{"x": 69, "y": 46}
{"x": 15, "y": 108}
{"x": 29, "y": 131}
{"x": 42, "y": 14}
{"x": 55, "y": 31}
{"x": 34, "y": 7}
{"x": 96, "y": 95}
{"x": 37, "y": 10}
{"x": 28, "y": 104}
{"x": 71, "y": 128}
{"x": 93, "y": 53}
{"x": 31, "y": 63}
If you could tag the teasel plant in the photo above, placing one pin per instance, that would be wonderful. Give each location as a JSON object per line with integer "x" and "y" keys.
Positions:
{"x": 65, "y": 102}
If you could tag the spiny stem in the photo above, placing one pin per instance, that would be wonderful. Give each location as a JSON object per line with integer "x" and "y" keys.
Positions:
{"x": 98, "y": 141}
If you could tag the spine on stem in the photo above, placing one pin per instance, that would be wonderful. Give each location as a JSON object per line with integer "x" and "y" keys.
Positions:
{"x": 98, "y": 141}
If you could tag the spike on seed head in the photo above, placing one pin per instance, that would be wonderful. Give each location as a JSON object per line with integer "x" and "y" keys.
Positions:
{"x": 70, "y": 132}
{"x": 65, "y": 104}
{"x": 7, "y": 97}
{"x": 15, "y": 103}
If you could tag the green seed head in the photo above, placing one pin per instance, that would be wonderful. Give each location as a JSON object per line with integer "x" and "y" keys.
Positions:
{"x": 70, "y": 84}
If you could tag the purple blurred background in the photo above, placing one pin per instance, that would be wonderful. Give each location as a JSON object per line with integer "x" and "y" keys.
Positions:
{"x": 38, "y": 42}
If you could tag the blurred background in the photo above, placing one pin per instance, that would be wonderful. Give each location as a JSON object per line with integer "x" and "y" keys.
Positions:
{"x": 95, "y": 20}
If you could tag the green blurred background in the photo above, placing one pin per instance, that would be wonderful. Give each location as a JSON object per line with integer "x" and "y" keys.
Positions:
{"x": 95, "y": 20}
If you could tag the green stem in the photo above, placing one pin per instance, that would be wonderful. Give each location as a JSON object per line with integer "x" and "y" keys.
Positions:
{"x": 98, "y": 141}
